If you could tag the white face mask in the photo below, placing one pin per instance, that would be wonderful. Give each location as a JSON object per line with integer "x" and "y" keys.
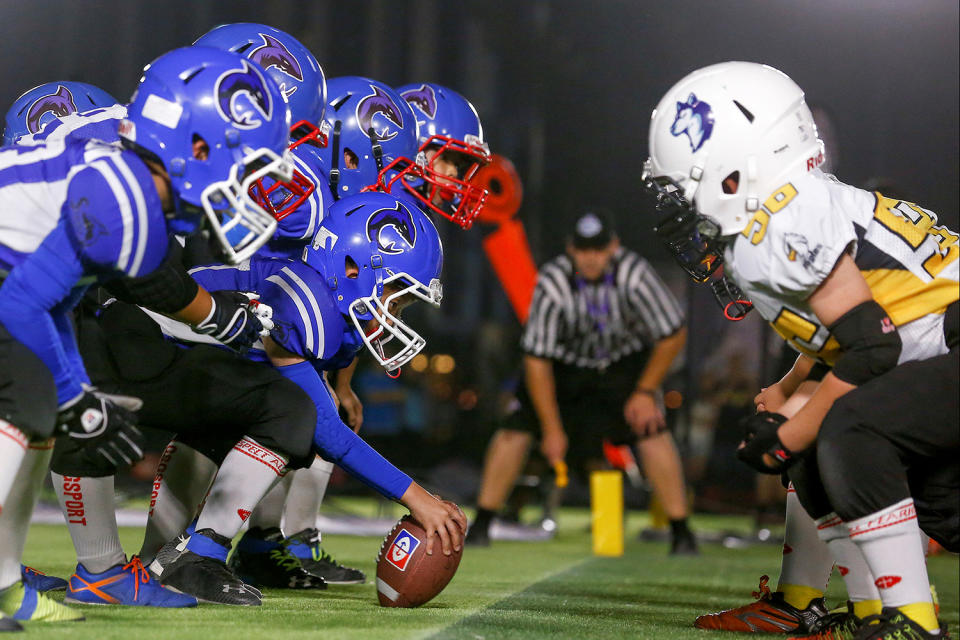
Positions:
{"x": 240, "y": 225}
{"x": 389, "y": 326}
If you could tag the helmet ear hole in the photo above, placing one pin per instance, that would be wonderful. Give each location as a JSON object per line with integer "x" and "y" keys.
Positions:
{"x": 350, "y": 268}
{"x": 731, "y": 183}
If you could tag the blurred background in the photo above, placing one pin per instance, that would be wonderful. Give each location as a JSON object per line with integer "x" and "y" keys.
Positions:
{"x": 565, "y": 89}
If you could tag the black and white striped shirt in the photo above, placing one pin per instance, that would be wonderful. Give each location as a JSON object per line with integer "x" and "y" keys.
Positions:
{"x": 594, "y": 324}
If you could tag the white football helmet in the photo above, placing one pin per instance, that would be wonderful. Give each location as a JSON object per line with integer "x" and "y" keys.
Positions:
{"x": 741, "y": 120}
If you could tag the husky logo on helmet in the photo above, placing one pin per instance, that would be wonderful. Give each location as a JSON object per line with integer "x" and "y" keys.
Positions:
{"x": 273, "y": 54}
{"x": 424, "y": 99}
{"x": 392, "y": 229}
{"x": 694, "y": 119}
{"x": 59, "y": 104}
{"x": 379, "y": 102}
{"x": 234, "y": 84}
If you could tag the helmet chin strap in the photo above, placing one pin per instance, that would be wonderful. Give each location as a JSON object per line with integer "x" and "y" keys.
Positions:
{"x": 335, "y": 156}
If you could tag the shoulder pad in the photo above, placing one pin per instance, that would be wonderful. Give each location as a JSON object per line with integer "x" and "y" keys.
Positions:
{"x": 307, "y": 320}
{"x": 114, "y": 210}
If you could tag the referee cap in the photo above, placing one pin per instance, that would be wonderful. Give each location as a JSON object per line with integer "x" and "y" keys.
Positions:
{"x": 592, "y": 230}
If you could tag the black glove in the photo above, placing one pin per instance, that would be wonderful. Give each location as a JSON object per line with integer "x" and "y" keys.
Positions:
{"x": 760, "y": 436}
{"x": 106, "y": 425}
{"x": 234, "y": 321}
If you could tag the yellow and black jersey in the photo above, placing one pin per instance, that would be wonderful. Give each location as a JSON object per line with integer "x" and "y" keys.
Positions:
{"x": 792, "y": 243}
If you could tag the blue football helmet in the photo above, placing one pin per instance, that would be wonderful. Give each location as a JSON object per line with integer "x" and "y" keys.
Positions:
{"x": 449, "y": 129}
{"x": 372, "y": 127}
{"x": 290, "y": 64}
{"x": 200, "y": 94}
{"x": 40, "y": 105}
{"x": 371, "y": 244}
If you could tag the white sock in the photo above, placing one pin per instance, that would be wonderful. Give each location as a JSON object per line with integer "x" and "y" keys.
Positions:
{"x": 851, "y": 564}
{"x": 13, "y": 447}
{"x": 89, "y": 509}
{"x": 305, "y": 496}
{"x": 246, "y": 475}
{"x": 269, "y": 511}
{"x": 183, "y": 477}
{"x": 806, "y": 560}
{"x": 18, "y": 507}
{"x": 890, "y": 541}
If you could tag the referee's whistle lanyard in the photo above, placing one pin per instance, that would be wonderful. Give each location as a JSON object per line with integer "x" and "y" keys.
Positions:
{"x": 598, "y": 308}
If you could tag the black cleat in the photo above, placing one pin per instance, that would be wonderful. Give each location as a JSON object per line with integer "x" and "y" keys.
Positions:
{"x": 262, "y": 559}
{"x": 169, "y": 552}
{"x": 9, "y": 624}
{"x": 305, "y": 546}
{"x": 684, "y": 543}
{"x": 892, "y": 624}
{"x": 478, "y": 536}
{"x": 208, "y": 580}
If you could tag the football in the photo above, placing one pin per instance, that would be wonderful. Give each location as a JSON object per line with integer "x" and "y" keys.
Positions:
{"x": 406, "y": 575}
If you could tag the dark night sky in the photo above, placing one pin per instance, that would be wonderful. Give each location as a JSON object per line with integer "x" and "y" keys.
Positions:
{"x": 886, "y": 70}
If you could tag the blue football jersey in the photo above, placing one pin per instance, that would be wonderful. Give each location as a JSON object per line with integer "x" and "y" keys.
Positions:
{"x": 73, "y": 212}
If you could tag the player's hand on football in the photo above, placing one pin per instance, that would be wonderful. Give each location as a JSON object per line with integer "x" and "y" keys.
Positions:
{"x": 106, "y": 425}
{"x": 236, "y": 319}
{"x": 439, "y": 518}
{"x": 553, "y": 445}
{"x": 770, "y": 398}
{"x": 643, "y": 414}
{"x": 350, "y": 404}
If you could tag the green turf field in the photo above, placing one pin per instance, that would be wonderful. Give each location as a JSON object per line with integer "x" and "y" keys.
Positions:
{"x": 552, "y": 589}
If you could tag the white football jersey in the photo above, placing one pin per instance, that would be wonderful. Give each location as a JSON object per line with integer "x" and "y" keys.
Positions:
{"x": 793, "y": 242}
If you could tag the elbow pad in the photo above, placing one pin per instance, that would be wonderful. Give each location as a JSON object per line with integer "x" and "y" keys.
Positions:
{"x": 870, "y": 343}
{"x": 167, "y": 289}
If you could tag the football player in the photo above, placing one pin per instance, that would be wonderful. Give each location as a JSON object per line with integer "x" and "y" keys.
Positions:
{"x": 453, "y": 148}
{"x": 100, "y": 211}
{"x": 372, "y": 256}
{"x": 863, "y": 284}
{"x": 298, "y": 206}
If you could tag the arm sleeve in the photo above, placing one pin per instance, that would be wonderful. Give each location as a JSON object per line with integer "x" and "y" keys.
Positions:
{"x": 335, "y": 441}
{"x": 34, "y": 288}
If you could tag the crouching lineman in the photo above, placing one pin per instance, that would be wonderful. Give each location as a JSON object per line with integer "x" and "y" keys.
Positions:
{"x": 371, "y": 257}
{"x": 865, "y": 284}
{"x": 102, "y": 211}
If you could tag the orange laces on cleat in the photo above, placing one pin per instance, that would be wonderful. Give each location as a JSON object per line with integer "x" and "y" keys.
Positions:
{"x": 139, "y": 575}
{"x": 763, "y": 591}
{"x": 32, "y": 570}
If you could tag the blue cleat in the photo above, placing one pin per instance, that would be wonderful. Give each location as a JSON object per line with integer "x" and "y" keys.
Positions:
{"x": 41, "y": 581}
{"x": 127, "y": 584}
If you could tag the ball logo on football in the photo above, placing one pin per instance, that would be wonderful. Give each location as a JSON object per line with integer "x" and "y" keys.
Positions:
{"x": 403, "y": 547}
{"x": 406, "y": 575}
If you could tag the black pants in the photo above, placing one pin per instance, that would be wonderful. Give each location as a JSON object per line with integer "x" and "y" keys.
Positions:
{"x": 28, "y": 395}
{"x": 591, "y": 406}
{"x": 209, "y": 397}
{"x": 894, "y": 437}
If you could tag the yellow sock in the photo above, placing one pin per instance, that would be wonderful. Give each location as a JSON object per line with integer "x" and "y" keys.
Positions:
{"x": 799, "y": 596}
{"x": 922, "y": 613}
{"x": 865, "y": 608}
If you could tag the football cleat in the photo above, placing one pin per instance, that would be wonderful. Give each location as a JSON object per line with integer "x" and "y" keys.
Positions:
{"x": 25, "y": 603}
{"x": 478, "y": 535}
{"x": 262, "y": 559}
{"x": 169, "y": 552}
{"x": 9, "y": 624}
{"x": 892, "y": 624}
{"x": 836, "y": 625}
{"x": 128, "y": 584}
{"x": 305, "y": 545}
{"x": 208, "y": 580}
{"x": 684, "y": 544}
{"x": 41, "y": 581}
{"x": 769, "y": 614}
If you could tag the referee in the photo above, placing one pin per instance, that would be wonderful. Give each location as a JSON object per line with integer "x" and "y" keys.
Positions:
{"x": 602, "y": 332}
